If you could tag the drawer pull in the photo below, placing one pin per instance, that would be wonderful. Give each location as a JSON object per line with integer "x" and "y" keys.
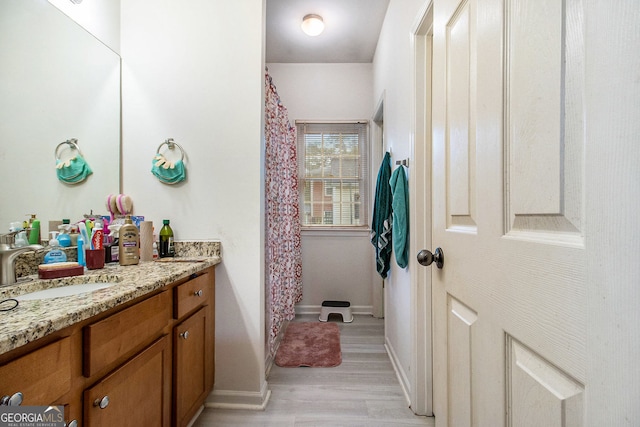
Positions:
{"x": 198, "y": 293}
{"x": 14, "y": 400}
{"x": 102, "y": 403}
{"x": 184, "y": 335}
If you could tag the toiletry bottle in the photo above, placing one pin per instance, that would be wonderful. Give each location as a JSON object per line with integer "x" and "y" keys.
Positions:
{"x": 34, "y": 232}
{"x": 21, "y": 239}
{"x": 80, "y": 242}
{"x": 64, "y": 238}
{"x": 73, "y": 235}
{"x": 166, "y": 240}
{"x": 55, "y": 254}
{"x": 97, "y": 236}
{"x": 112, "y": 250}
{"x": 129, "y": 243}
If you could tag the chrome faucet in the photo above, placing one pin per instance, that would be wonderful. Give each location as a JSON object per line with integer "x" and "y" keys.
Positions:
{"x": 8, "y": 254}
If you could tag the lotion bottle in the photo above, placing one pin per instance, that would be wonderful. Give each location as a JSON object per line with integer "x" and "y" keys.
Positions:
{"x": 129, "y": 251}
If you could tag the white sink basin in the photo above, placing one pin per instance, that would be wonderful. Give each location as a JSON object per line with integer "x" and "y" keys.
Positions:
{"x": 64, "y": 291}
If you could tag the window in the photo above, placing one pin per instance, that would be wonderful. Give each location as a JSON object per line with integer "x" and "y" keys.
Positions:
{"x": 333, "y": 174}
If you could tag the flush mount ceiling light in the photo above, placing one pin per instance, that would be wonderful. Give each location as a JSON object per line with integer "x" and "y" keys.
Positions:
{"x": 312, "y": 25}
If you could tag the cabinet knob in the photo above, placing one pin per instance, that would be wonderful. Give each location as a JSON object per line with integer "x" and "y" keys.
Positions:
{"x": 13, "y": 400}
{"x": 102, "y": 403}
{"x": 184, "y": 335}
{"x": 198, "y": 293}
{"x": 72, "y": 423}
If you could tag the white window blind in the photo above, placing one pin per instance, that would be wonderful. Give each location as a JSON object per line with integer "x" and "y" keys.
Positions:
{"x": 333, "y": 165}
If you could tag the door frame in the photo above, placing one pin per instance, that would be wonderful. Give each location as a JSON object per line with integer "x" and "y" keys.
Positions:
{"x": 421, "y": 393}
{"x": 377, "y": 148}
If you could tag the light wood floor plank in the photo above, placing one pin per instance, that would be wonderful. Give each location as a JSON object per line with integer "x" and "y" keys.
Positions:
{"x": 362, "y": 391}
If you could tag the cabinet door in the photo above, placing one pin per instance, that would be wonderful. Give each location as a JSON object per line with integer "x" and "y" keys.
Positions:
{"x": 42, "y": 376}
{"x": 190, "y": 358}
{"x": 136, "y": 394}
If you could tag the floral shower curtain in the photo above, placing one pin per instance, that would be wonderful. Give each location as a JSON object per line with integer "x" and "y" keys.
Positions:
{"x": 283, "y": 247}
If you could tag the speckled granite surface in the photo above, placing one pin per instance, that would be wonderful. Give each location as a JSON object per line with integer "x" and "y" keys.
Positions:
{"x": 27, "y": 263}
{"x": 35, "y": 319}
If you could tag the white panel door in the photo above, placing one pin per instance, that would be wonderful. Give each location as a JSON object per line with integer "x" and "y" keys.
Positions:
{"x": 508, "y": 190}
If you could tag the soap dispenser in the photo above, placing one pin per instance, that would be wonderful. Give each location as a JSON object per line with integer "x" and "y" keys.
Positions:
{"x": 21, "y": 239}
{"x": 55, "y": 254}
{"x": 64, "y": 238}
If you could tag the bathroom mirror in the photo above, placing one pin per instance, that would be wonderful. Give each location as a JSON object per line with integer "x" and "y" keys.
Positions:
{"x": 57, "y": 82}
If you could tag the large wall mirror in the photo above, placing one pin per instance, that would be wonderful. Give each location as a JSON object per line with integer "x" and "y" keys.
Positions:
{"x": 57, "y": 82}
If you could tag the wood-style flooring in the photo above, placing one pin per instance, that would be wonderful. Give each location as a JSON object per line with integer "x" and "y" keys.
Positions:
{"x": 362, "y": 391}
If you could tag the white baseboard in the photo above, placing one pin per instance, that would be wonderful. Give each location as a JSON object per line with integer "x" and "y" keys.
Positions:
{"x": 315, "y": 309}
{"x": 232, "y": 399}
{"x": 402, "y": 376}
{"x": 195, "y": 417}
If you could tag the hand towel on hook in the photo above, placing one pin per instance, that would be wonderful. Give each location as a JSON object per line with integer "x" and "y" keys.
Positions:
{"x": 400, "y": 204}
{"x": 74, "y": 169}
{"x": 167, "y": 171}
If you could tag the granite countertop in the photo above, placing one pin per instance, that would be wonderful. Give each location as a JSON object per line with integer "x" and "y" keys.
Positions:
{"x": 37, "y": 318}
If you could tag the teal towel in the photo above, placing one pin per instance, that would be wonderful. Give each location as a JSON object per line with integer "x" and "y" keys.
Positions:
{"x": 400, "y": 205}
{"x": 381, "y": 222}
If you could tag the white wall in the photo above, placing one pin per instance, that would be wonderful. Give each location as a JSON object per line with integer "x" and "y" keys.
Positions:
{"x": 324, "y": 91}
{"x": 393, "y": 79}
{"x": 335, "y": 265}
{"x": 195, "y": 73}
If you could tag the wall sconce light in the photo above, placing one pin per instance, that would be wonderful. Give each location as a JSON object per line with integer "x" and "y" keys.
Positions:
{"x": 312, "y": 25}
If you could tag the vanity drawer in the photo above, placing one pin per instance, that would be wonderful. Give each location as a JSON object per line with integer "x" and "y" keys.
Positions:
{"x": 108, "y": 340}
{"x": 191, "y": 295}
{"x": 42, "y": 376}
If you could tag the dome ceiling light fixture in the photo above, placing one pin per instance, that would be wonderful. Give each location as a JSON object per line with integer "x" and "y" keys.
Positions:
{"x": 312, "y": 24}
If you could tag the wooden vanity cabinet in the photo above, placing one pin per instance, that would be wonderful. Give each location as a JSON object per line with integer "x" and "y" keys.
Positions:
{"x": 193, "y": 346}
{"x": 149, "y": 363}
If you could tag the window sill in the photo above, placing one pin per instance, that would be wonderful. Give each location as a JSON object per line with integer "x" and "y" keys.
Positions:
{"x": 336, "y": 231}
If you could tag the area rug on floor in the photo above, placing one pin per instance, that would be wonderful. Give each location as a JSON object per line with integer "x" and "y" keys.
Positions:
{"x": 310, "y": 344}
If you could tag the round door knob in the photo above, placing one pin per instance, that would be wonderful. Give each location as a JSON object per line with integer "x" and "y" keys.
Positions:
{"x": 13, "y": 400}
{"x": 184, "y": 335}
{"x": 16, "y": 399}
{"x": 425, "y": 257}
{"x": 102, "y": 403}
